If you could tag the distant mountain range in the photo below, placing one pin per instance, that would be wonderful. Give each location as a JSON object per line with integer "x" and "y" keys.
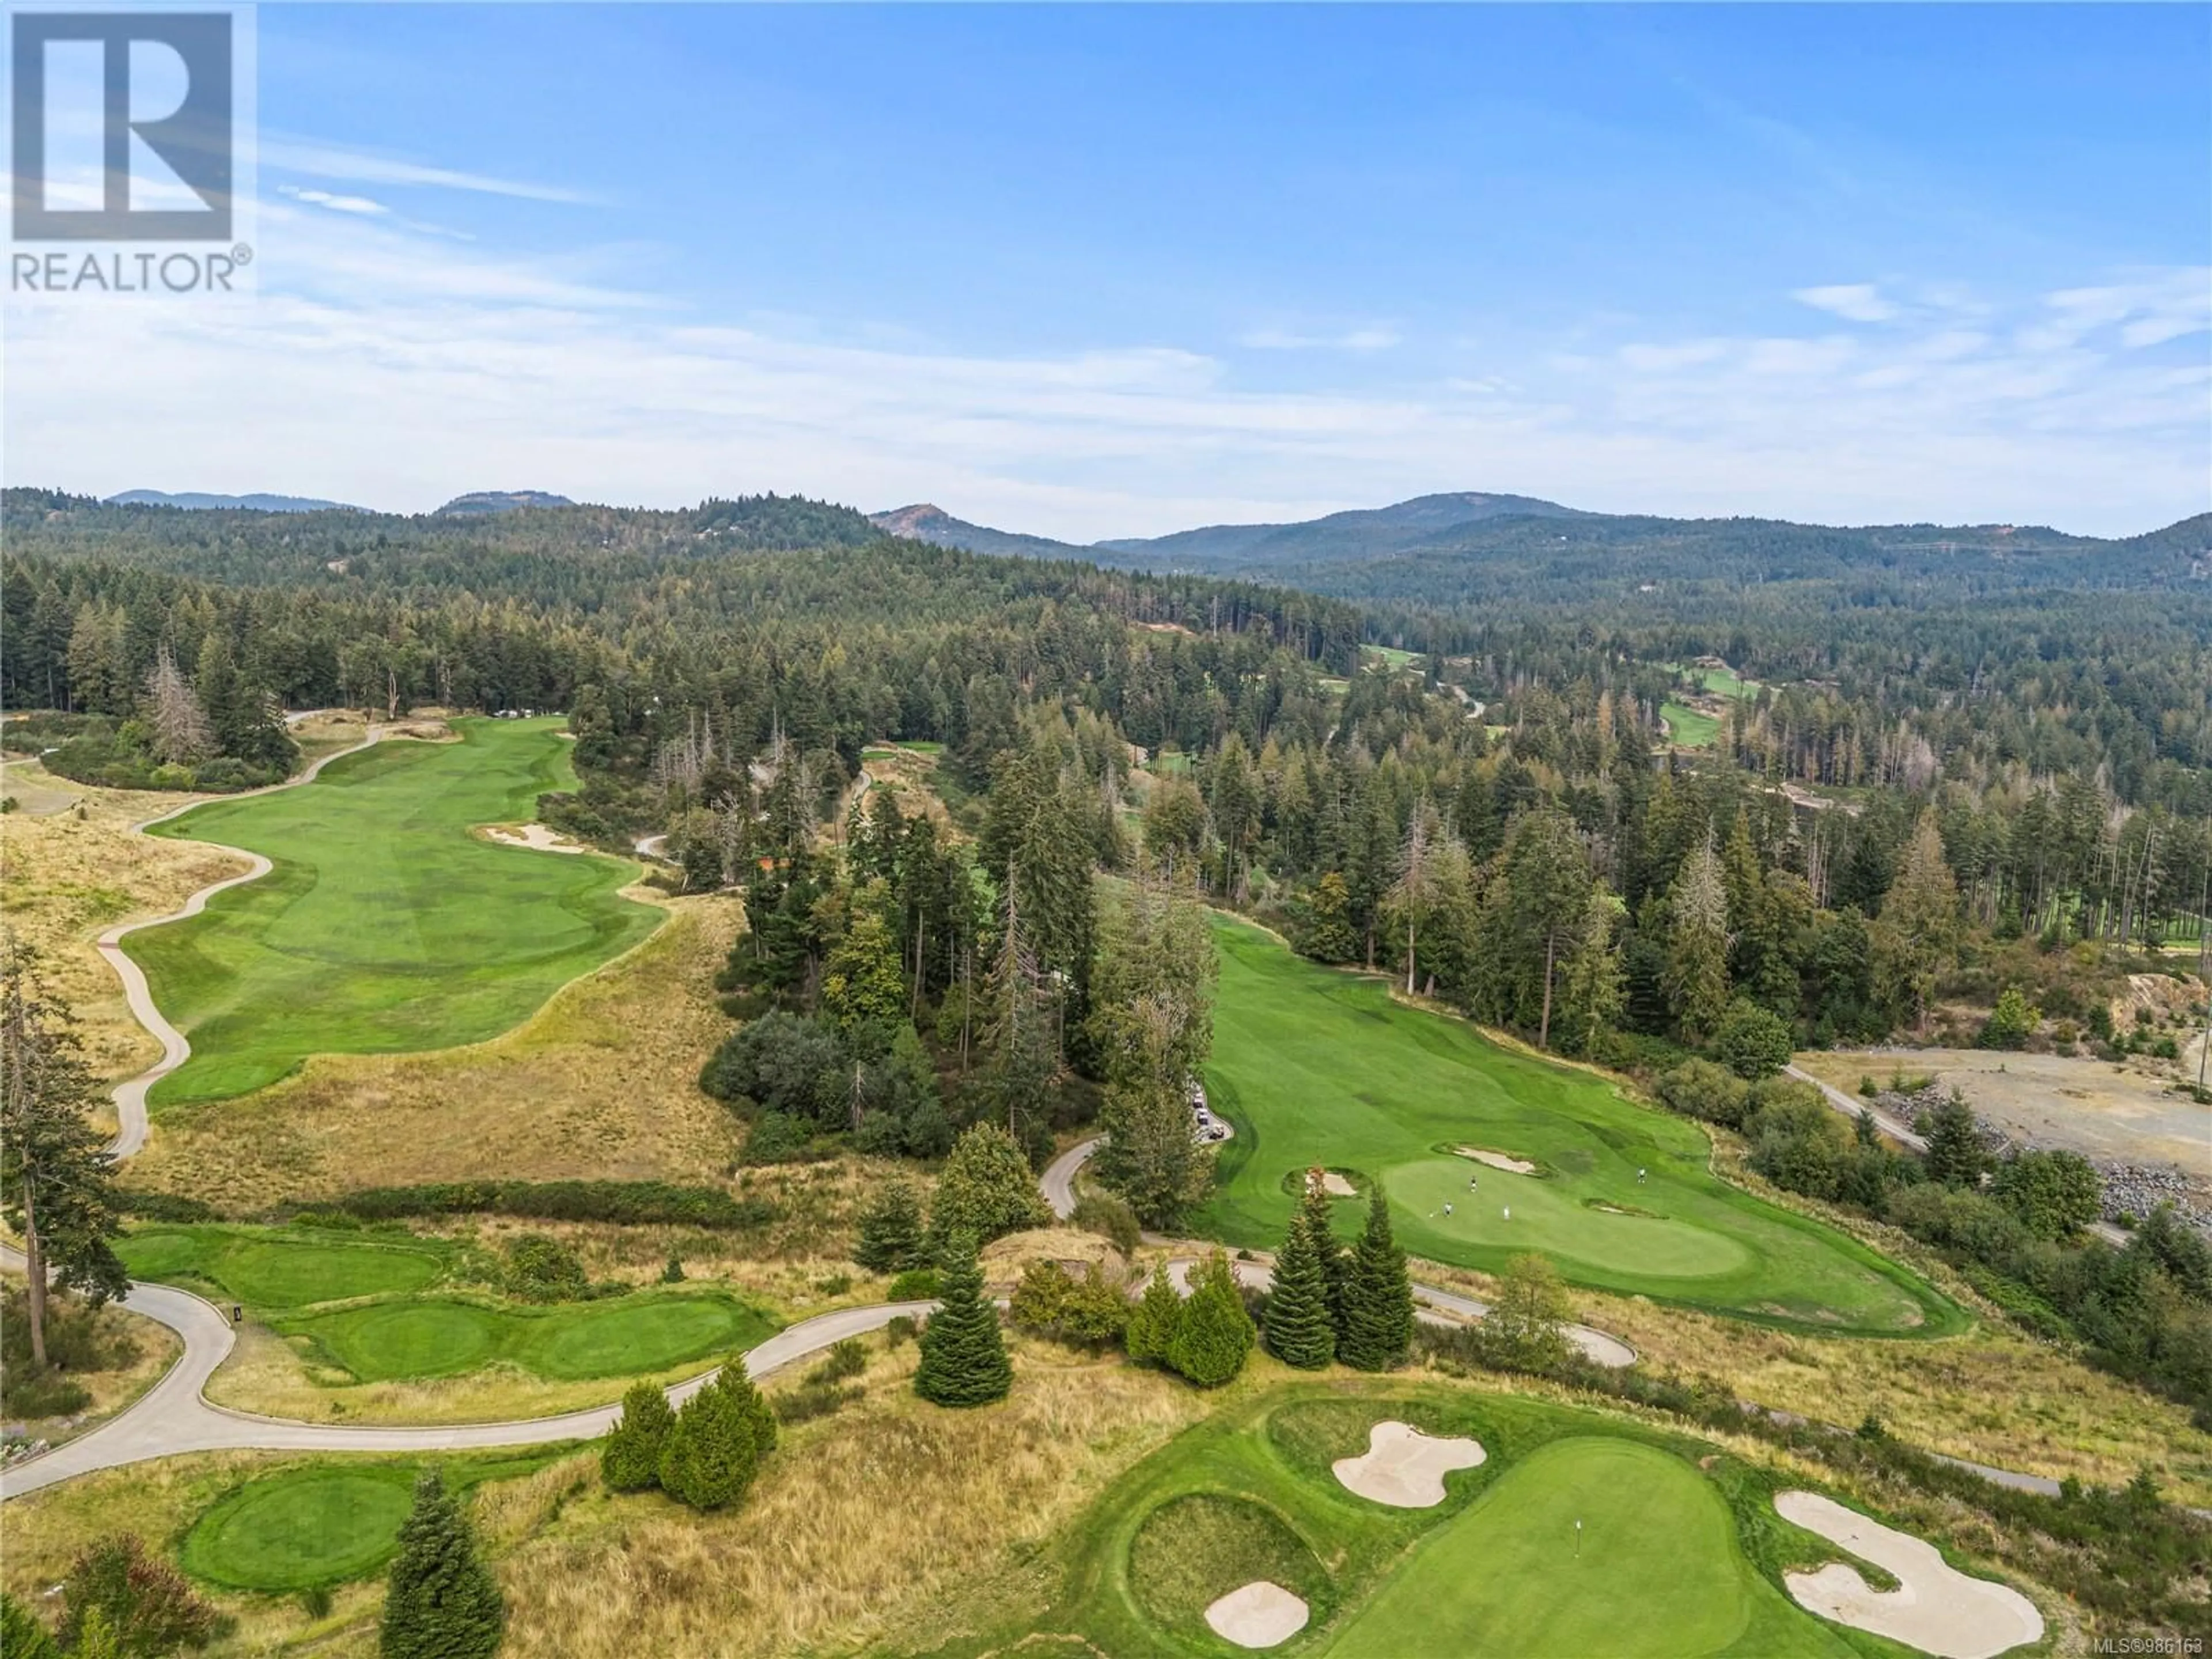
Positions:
{"x": 194, "y": 500}
{"x": 483, "y": 502}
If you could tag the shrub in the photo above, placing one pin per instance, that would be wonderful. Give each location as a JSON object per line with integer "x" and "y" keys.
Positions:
{"x": 1087, "y": 1312}
{"x": 779, "y": 1138}
{"x": 1110, "y": 1216}
{"x": 1527, "y": 1329}
{"x": 672, "y": 1271}
{"x": 22, "y": 1636}
{"x": 916, "y": 1284}
{"x": 2011, "y": 1023}
{"x": 1700, "y": 1089}
{"x": 1215, "y": 1334}
{"x": 1153, "y": 1322}
{"x": 631, "y": 1459}
{"x": 542, "y": 1269}
{"x": 147, "y": 1605}
{"x": 639, "y": 1202}
{"x": 2052, "y": 1193}
{"x": 811, "y": 1400}
{"x": 846, "y": 1359}
{"x": 781, "y": 1063}
{"x": 1751, "y": 1041}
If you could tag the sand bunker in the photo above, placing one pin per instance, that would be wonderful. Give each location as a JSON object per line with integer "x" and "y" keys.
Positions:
{"x": 534, "y": 836}
{"x": 1404, "y": 1468}
{"x": 1497, "y": 1160}
{"x": 1260, "y": 1615}
{"x": 1336, "y": 1186}
{"x": 1936, "y": 1607}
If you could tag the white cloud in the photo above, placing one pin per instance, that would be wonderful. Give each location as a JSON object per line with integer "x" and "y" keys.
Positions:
{"x": 1374, "y": 336}
{"x": 379, "y": 367}
{"x": 323, "y": 198}
{"x": 323, "y": 160}
{"x": 1855, "y": 302}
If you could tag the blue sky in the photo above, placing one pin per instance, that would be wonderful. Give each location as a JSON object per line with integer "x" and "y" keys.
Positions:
{"x": 1096, "y": 272}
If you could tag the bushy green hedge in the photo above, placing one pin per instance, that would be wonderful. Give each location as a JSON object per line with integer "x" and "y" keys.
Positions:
{"x": 636, "y": 1202}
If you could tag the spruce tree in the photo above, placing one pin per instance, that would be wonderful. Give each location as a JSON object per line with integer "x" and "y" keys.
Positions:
{"x": 1214, "y": 1335}
{"x": 1301, "y": 1330}
{"x": 751, "y": 1406}
{"x": 892, "y": 1232}
{"x": 630, "y": 1460}
{"x": 963, "y": 1356}
{"x": 1335, "y": 1264}
{"x": 710, "y": 1455}
{"x": 1153, "y": 1322}
{"x": 443, "y": 1602}
{"x": 1378, "y": 1299}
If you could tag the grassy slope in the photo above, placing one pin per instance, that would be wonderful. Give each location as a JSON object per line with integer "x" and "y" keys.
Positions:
{"x": 1321, "y": 1068}
{"x": 385, "y": 926}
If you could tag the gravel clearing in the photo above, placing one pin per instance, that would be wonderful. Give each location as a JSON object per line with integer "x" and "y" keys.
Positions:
{"x": 1260, "y": 1615}
{"x": 1404, "y": 1468}
{"x": 1936, "y": 1607}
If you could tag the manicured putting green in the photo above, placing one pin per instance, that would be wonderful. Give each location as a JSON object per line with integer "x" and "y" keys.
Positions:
{"x": 1320, "y": 1068}
{"x": 385, "y": 926}
{"x": 1688, "y": 726}
{"x": 322, "y": 1525}
{"x": 281, "y": 1267}
{"x": 574, "y": 1342}
{"x": 1658, "y": 1574}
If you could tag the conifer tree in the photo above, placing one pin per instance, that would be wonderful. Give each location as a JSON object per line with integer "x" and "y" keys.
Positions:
{"x": 711, "y": 1453}
{"x": 1301, "y": 1330}
{"x": 892, "y": 1239}
{"x": 963, "y": 1356}
{"x": 1335, "y": 1264}
{"x": 1378, "y": 1299}
{"x": 1215, "y": 1334}
{"x": 443, "y": 1602}
{"x": 1153, "y": 1320}
{"x": 750, "y": 1406}
{"x": 630, "y": 1460}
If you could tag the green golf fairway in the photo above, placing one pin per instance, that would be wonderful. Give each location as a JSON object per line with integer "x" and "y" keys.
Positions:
{"x": 1319, "y": 1067}
{"x": 571, "y": 1343}
{"x": 384, "y": 926}
{"x": 320, "y": 1526}
{"x": 1659, "y": 1574}
{"x": 279, "y": 1269}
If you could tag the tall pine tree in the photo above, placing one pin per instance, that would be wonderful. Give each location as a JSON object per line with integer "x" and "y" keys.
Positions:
{"x": 1378, "y": 1297}
{"x": 1301, "y": 1329}
{"x": 964, "y": 1356}
{"x": 892, "y": 1232}
{"x": 442, "y": 1602}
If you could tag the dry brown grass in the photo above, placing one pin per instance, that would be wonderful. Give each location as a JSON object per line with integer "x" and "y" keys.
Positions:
{"x": 860, "y": 1522}
{"x": 68, "y": 877}
{"x": 601, "y": 1082}
{"x": 154, "y": 1349}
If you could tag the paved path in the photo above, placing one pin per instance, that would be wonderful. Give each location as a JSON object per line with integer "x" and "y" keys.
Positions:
{"x": 1897, "y": 1130}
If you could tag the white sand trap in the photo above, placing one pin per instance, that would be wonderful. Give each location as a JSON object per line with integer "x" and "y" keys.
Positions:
{"x": 535, "y": 836}
{"x": 1936, "y": 1607}
{"x": 1498, "y": 1160}
{"x": 1260, "y": 1615}
{"x": 1336, "y": 1186}
{"x": 1404, "y": 1468}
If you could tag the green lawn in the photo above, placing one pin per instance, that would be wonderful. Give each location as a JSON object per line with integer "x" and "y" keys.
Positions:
{"x": 1389, "y": 657}
{"x": 323, "y": 1522}
{"x": 283, "y": 1267}
{"x": 1315, "y": 1067}
{"x": 385, "y": 926}
{"x": 284, "y": 1273}
{"x": 1682, "y": 1552}
{"x": 631, "y": 1335}
{"x": 1688, "y": 728}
